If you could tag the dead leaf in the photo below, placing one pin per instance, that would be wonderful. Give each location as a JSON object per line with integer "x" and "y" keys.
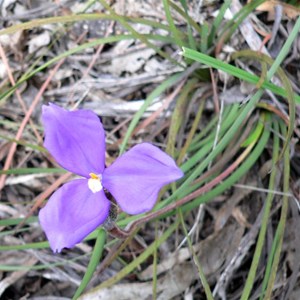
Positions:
{"x": 288, "y": 10}
{"x": 39, "y": 41}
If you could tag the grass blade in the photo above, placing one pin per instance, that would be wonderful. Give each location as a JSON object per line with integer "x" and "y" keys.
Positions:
{"x": 95, "y": 258}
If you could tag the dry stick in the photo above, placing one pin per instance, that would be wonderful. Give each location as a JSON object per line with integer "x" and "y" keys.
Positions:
{"x": 165, "y": 105}
{"x": 118, "y": 127}
{"x": 215, "y": 92}
{"x": 19, "y": 97}
{"x": 131, "y": 227}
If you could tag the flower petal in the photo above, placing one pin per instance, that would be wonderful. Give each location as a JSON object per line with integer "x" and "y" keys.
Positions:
{"x": 71, "y": 213}
{"x": 136, "y": 177}
{"x": 76, "y": 139}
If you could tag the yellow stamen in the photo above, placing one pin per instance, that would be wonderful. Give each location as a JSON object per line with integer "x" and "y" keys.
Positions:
{"x": 94, "y": 176}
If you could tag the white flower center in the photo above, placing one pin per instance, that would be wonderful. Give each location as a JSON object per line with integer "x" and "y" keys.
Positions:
{"x": 94, "y": 183}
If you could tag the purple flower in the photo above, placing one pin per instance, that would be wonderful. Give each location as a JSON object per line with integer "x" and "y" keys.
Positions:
{"x": 76, "y": 140}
